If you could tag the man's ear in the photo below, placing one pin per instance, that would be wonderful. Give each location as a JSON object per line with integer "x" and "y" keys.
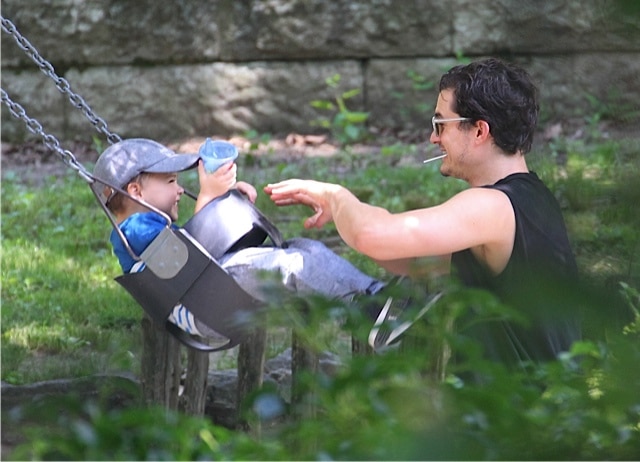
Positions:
{"x": 482, "y": 130}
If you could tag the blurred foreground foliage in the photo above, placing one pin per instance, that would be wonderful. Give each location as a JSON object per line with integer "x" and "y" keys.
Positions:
{"x": 391, "y": 406}
{"x": 63, "y": 317}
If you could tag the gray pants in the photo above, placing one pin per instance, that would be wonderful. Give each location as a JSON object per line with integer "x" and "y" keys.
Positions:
{"x": 306, "y": 266}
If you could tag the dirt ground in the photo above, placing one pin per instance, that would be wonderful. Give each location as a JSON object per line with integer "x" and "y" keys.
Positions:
{"x": 32, "y": 161}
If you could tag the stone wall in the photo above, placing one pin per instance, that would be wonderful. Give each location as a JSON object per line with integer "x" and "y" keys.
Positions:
{"x": 180, "y": 68}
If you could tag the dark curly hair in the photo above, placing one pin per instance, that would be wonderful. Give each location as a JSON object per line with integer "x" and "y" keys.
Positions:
{"x": 501, "y": 94}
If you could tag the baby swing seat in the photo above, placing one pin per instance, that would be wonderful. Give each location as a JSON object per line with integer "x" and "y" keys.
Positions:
{"x": 181, "y": 268}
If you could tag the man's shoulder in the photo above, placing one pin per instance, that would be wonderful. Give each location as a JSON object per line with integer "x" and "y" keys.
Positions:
{"x": 481, "y": 208}
{"x": 481, "y": 195}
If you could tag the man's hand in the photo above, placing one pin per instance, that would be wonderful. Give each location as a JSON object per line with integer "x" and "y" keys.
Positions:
{"x": 311, "y": 193}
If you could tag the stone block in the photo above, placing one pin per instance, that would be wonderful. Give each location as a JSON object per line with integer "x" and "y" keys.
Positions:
{"x": 401, "y": 93}
{"x": 40, "y": 99}
{"x": 171, "y": 102}
{"x": 551, "y": 26}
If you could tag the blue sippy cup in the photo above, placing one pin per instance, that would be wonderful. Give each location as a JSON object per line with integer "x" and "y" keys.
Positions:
{"x": 216, "y": 153}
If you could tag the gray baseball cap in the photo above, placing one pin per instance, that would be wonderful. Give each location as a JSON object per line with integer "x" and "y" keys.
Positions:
{"x": 123, "y": 161}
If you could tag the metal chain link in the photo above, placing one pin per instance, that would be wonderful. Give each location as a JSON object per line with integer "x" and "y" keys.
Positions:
{"x": 61, "y": 83}
{"x": 49, "y": 140}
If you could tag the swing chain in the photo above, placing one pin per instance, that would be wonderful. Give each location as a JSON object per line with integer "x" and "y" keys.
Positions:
{"x": 49, "y": 140}
{"x": 61, "y": 83}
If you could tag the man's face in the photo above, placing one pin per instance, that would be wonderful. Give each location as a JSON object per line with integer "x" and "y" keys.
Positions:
{"x": 450, "y": 137}
{"x": 162, "y": 191}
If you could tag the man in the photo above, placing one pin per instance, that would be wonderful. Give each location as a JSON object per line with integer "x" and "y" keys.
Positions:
{"x": 505, "y": 233}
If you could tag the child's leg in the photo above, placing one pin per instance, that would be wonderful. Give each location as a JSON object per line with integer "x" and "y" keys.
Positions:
{"x": 306, "y": 266}
{"x": 328, "y": 273}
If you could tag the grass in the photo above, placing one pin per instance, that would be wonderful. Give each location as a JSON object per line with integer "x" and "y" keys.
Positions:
{"x": 599, "y": 189}
{"x": 58, "y": 296}
{"x": 64, "y": 316}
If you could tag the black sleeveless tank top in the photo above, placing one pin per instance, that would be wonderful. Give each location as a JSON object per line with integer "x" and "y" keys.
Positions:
{"x": 536, "y": 281}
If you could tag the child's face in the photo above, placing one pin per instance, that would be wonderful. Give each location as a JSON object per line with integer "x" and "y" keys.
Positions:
{"x": 162, "y": 191}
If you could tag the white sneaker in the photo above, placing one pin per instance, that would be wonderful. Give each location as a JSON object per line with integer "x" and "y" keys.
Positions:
{"x": 390, "y": 323}
{"x": 184, "y": 319}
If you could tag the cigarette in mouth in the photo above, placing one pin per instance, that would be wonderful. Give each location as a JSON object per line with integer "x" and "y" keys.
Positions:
{"x": 434, "y": 158}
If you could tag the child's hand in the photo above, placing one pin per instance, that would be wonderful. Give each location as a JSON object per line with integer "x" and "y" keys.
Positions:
{"x": 248, "y": 190}
{"x": 215, "y": 184}
{"x": 219, "y": 182}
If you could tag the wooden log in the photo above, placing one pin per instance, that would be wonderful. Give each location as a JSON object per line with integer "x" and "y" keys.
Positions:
{"x": 360, "y": 347}
{"x": 251, "y": 357}
{"x": 194, "y": 395}
{"x": 303, "y": 361}
{"x": 160, "y": 366}
{"x": 161, "y": 372}
{"x": 434, "y": 346}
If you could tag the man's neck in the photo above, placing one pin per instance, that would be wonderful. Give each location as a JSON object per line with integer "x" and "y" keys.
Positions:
{"x": 498, "y": 167}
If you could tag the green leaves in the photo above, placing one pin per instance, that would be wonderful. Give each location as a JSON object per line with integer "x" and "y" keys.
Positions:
{"x": 345, "y": 125}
